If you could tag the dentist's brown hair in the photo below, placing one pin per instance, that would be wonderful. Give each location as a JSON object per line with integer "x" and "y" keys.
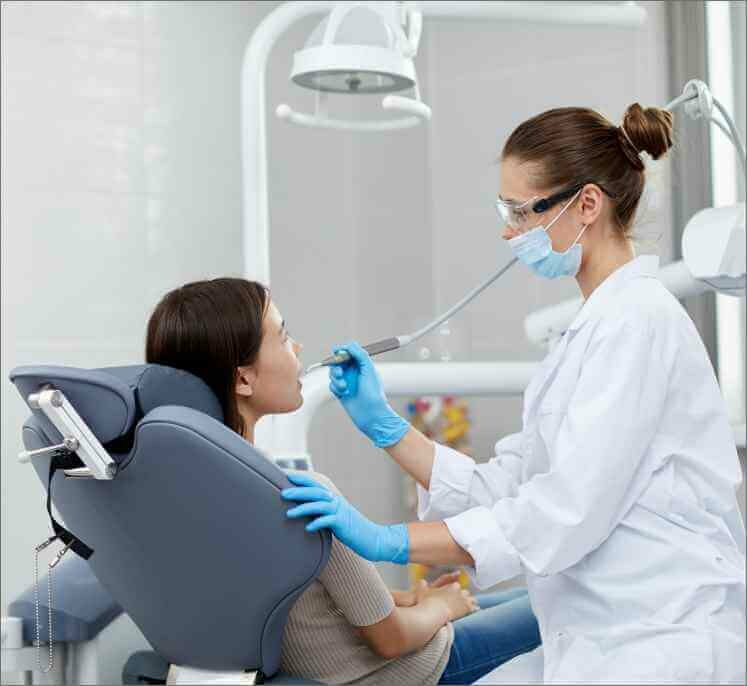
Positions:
{"x": 572, "y": 146}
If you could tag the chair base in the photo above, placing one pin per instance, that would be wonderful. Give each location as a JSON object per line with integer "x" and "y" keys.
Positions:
{"x": 180, "y": 674}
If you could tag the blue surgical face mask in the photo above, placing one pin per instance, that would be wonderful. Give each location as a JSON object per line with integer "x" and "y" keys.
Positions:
{"x": 534, "y": 249}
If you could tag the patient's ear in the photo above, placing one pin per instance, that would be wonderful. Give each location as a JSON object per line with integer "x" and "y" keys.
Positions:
{"x": 246, "y": 377}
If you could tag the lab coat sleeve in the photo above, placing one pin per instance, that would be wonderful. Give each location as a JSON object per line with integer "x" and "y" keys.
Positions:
{"x": 596, "y": 456}
{"x": 458, "y": 483}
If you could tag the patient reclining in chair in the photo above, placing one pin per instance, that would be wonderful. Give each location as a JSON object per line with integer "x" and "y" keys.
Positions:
{"x": 347, "y": 626}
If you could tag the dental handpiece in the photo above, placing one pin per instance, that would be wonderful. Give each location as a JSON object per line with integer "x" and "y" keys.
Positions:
{"x": 372, "y": 349}
{"x": 395, "y": 342}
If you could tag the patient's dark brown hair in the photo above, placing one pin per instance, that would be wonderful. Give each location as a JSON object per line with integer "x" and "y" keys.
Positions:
{"x": 210, "y": 328}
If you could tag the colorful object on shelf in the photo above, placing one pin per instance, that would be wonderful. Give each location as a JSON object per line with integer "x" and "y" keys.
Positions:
{"x": 430, "y": 574}
{"x": 446, "y": 420}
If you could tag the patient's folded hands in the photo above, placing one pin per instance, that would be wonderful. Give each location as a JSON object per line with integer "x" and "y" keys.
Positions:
{"x": 459, "y": 601}
{"x": 409, "y": 598}
{"x": 446, "y": 589}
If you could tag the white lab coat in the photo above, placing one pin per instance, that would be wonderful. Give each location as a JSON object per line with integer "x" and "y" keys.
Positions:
{"x": 617, "y": 499}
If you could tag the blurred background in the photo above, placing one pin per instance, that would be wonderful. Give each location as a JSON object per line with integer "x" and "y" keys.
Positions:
{"x": 121, "y": 179}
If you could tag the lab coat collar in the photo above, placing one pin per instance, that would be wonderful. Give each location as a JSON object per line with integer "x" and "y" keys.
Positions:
{"x": 644, "y": 266}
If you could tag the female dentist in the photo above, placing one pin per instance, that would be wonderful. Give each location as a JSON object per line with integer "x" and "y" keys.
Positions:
{"x": 617, "y": 499}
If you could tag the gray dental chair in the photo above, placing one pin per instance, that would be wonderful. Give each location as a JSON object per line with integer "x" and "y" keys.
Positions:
{"x": 184, "y": 530}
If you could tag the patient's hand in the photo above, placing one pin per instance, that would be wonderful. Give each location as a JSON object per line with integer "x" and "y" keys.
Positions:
{"x": 458, "y": 601}
{"x": 409, "y": 598}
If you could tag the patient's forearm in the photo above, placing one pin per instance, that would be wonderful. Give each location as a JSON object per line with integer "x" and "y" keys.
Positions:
{"x": 406, "y": 628}
{"x": 414, "y": 453}
{"x": 431, "y": 543}
{"x": 421, "y": 623}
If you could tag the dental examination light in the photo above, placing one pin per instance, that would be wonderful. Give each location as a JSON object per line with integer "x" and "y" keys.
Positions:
{"x": 361, "y": 48}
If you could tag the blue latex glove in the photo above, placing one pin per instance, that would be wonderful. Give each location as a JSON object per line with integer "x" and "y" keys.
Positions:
{"x": 356, "y": 384}
{"x": 375, "y": 542}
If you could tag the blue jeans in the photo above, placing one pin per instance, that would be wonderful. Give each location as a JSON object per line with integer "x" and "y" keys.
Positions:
{"x": 503, "y": 628}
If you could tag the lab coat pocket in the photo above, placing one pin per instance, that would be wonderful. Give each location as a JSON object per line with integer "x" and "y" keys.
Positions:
{"x": 553, "y": 407}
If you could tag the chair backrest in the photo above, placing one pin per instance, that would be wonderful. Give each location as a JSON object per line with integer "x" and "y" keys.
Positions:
{"x": 190, "y": 537}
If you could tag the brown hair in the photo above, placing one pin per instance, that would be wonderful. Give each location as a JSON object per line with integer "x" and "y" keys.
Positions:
{"x": 573, "y": 146}
{"x": 210, "y": 328}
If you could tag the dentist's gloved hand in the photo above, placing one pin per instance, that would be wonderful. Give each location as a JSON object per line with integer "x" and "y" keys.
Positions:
{"x": 356, "y": 384}
{"x": 375, "y": 542}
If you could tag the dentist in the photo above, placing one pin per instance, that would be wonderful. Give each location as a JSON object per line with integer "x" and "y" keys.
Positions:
{"x": 617, "y": 499}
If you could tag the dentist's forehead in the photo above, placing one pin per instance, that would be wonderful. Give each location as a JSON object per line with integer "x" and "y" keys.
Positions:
{"x": 515, "y": 180}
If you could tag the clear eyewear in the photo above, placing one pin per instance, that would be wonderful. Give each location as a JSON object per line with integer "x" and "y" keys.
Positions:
{"x": 517, "y": 215}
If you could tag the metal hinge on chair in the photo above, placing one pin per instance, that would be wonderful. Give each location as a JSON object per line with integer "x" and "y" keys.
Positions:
{"x": 77, "y": 437}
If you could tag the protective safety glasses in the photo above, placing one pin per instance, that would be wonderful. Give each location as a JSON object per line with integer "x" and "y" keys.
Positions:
{"x": 519, "y": 214}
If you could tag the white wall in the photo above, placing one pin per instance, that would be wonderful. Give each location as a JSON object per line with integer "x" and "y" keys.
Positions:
{"x": 121, "y": 179}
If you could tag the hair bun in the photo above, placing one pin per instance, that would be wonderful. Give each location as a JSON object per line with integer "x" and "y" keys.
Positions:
{"x": 648, "y": 130}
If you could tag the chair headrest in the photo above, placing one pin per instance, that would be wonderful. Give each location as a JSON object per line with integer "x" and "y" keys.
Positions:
{"x": 111, "y": 400}
{"x": 156, "y": 385}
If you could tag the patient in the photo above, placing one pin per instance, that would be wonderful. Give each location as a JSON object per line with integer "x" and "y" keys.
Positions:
{"x": 346, "y": 627}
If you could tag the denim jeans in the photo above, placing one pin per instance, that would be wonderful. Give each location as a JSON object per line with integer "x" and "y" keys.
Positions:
{"x": 503, "y": 628}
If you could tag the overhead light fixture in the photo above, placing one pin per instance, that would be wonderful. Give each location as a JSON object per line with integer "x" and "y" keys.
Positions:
{"x": 361, "y": 48}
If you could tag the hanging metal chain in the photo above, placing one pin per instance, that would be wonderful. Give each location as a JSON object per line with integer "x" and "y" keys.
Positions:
{"x": 50, "y": 664}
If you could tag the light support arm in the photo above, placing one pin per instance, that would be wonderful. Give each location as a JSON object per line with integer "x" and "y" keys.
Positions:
{"x": 390, "y": 102}
{"x": 624, "y": 14}
{"x": 254, "y": 131}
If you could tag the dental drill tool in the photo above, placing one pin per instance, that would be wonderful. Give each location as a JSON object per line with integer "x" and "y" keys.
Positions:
{"x": 396, "y": 342}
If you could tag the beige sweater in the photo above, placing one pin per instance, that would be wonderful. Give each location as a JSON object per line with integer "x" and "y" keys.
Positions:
{"x": 320, "y": 640}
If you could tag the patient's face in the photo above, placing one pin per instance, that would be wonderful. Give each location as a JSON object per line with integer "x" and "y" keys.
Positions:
{"x": 276, "y": 386}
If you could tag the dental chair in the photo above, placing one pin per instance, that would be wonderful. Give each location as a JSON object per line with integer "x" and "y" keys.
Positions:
{"x": 179, "y": 518}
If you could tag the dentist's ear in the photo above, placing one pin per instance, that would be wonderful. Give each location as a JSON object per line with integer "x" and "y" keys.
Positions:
{"x": 246, "y": 378}
{"x": 590, "y": 203}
